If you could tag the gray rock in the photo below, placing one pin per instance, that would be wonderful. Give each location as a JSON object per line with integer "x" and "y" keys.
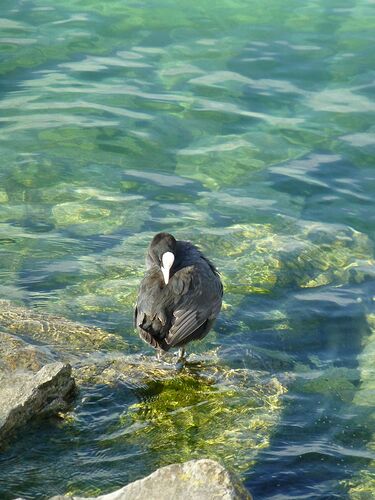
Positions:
{"x": 194, "y": 480}
{"x": 24, "y": 395}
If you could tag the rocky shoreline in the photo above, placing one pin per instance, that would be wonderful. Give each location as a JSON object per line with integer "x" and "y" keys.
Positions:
{"x": 41, "y": 367}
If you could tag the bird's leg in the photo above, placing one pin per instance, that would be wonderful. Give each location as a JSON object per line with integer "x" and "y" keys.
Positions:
{"x": 181, "y": 353}
{"x": 181, "y": 358}
{"x": 159, "y": 355}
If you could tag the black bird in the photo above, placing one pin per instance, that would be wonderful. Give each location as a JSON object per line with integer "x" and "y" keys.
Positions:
{"x": 179, "y": 296}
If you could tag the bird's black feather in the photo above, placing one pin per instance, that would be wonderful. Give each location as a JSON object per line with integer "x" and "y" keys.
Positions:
{"x": 185, "y": 309}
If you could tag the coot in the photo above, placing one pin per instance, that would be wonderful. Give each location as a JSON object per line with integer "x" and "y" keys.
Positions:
{"x": 179, "y": 296}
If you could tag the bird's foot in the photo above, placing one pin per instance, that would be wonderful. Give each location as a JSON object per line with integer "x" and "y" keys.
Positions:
{"x": 181, "y": 359}
{"x": 160, "y": 355}
{"x": 164, "y": 359}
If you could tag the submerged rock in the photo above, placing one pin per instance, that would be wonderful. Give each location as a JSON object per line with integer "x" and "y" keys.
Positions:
{"x": 194, "y": 480}
{"x": 362, "y": 485}
{"x": 220, "y": 161}
{"x": 100, "y": 214}
{"x": 252, "y": 259}
{"x": 3, "y": 196}
{"x": 15, "y": 353}
{"x": 207, "y": 410}
{"x": 109, "y": 283}
{"x": 24, "y": 396}
{"x": 261, "y": 257}
{"x": 55, "y": 329}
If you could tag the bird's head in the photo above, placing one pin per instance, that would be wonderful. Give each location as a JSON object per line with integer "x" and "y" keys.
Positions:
{"x": 161, "y": 252}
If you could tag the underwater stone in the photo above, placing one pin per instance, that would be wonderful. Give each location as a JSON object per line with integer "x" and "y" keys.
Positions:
{"x": 3, "y": 196}
{"x": 15, "y": 354}
{"x": 259, "y": 257}
{"x": 100, "y": 214}
{"x": 219, "y": 162}
{"x": 252, "y": 259}
{"x": 224, "y": 160}
{"x": 194, "y": 480}
{"x": 230, "y": 412}
{"x": 362, "y": 485}
{"x": 55, "y": 329}
{"x": 35, "y": 173}
{"x": 244, "y": 405}
{"x": 112, "y": 284}
{"x": 24, "y": 396}
{"x": 89, "y": 217}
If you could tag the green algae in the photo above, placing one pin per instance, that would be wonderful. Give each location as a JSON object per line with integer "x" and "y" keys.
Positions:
{"x": 206, "y": 410}
{"x": 15, "y": 246}
{"x": 237, "y": 422}
{"x": 85, "y": 219}
{"x": 16, "y": 354}
{"x": 257, "y": 258}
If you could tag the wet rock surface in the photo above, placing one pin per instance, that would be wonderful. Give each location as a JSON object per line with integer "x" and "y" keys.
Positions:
{"x": 165, "y": 403}
{"x": 194, "y": 480}
{"x": 53, "y": 329}
{"x": 24, "y": 396}
{"x": 240, "y": 406}
{"x": 16, "y": 353}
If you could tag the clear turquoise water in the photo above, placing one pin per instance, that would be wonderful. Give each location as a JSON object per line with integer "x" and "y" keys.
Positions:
{"x": 247, "y": 127}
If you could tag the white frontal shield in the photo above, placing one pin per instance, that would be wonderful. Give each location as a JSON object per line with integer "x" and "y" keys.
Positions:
{"x": 167, "y": 261}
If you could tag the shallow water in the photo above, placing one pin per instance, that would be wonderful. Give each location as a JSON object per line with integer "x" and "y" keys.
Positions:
{"x": 249, "y": 129}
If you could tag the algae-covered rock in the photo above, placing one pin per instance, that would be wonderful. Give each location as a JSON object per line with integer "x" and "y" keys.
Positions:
{"x": 63, "y": 192}
{"x": 15, "y": 353}
{"x": 252, "y": 258}
{"x": 36, "y": 171}
{"x": 56, "y": 330}
{"x": 366, "y": 395}
{"x": 3, "y": 196}
{"x": 100, "y": 216}
{"x": 220, "y": 161}
{"x": 26, "y": 249}
{"x": 227, "y": 416}
{"x": 261, "y": 257}
{"x": 11, "y": 212}
{"x": 15, "y": 245}
{"x": 206, "y": 410}
{"x": 362, "y": 487}
{"x": 258, "y": 203}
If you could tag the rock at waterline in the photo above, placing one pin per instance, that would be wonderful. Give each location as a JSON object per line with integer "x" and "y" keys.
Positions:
{"x": 24, "y": 395}
{"x": 194, "y": 480}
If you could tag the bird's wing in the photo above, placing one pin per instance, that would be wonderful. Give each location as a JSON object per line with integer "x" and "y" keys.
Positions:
{"x": 199, "y": 302}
